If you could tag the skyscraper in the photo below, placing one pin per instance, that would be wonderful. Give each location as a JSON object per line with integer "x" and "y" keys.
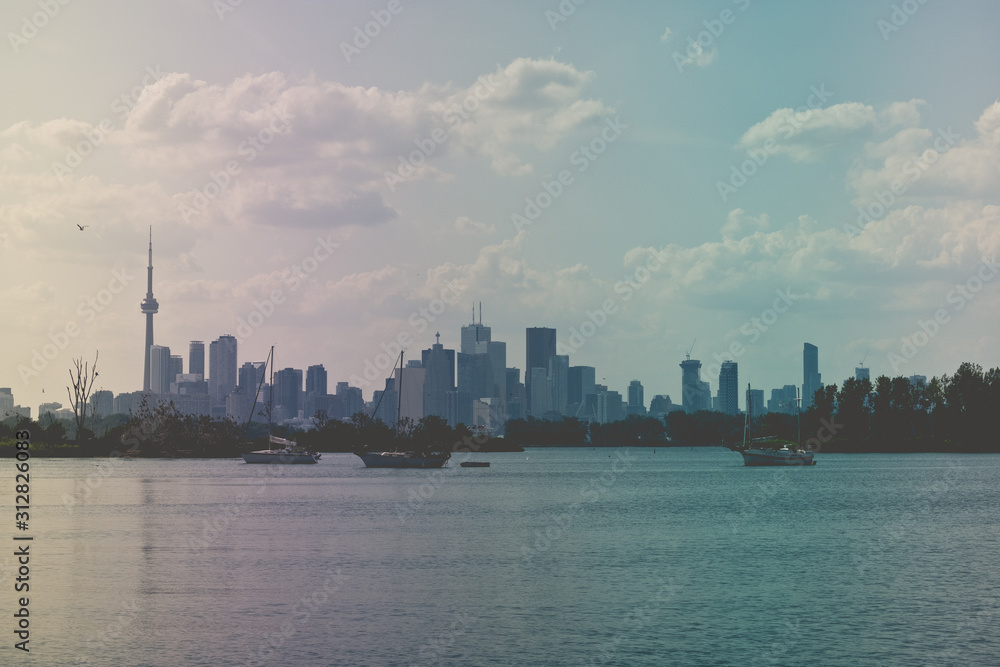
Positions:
{"x": 729, "y": 388}
{"x": 695, "y": 394}
{"x": 159, "y": 369}
{"x": 540, "y": 346}
{"x": 196, "y": 358}
{"x": 149, "y": 307}
{"x": 316, "y": 379}
{"x": 440, "y": 378}
{"x": 862, "y": 374}
{"x": 811, "y": 378}
{"x": 288, "y": 391}
{"x": 222, "y": 372}
{"x": 582, "y": 382}
{"x": 636, "y": 400}
{"x": 176, "y": 366}
{"x": 559, "y": 382}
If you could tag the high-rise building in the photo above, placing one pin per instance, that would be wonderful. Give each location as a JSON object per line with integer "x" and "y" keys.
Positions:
{"x": 540, "y": 346}
{"x": 729, "y": 388}
{"x": 559, "y": 382}
{"x": 288, "y": 392}
{"x": 123, "y": 403}
{"x": 176, "y": 366}
{"x": 7, "y": 403}
{"x": 102, "y": 403}
{"x": 475, "y": 338}
{"x": 159, "y": 369}
{"x": 540, "y": 397}
{"x": 440, "y": 378}
{"x": 196, "y": 358}
{"x": 811, "y": 378}
{"x": 784, "y": 400}
{"x": 222, "y": 372}
{"x": 757, "y": 401}
{"x": 516, "y": 408}
{"x": 410, "y": 381}
{"x": 249, "y": 377}
{"x": 149, "y": 307}
{"x": 862, "y": 374}
{"x": 316, "y": 379}
{"x": 695, "y": 394}
{"x": 582, "y": 383}
{"x": 636, "y": 401}
{"x": 352, "y": 401}
{"x": 459, "y": 408}
{"x": 609, "y": 407}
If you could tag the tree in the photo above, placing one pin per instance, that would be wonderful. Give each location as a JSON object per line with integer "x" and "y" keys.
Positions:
{"x": 83, "y": 384}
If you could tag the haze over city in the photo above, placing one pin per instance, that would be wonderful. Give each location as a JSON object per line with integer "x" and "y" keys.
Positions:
{"x": 742, "y": 177}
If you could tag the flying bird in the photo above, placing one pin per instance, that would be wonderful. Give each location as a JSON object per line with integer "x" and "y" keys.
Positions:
{"x": 81, "y": 226}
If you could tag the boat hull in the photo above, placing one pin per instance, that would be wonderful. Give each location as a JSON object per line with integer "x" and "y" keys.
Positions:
{"x": 400, "y": 460}
{"x": 280, "y": 456}
{"x": 776, "y": 457}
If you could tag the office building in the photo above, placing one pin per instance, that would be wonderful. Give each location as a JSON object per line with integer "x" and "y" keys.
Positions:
{"x": 222, "y": 378}
{"x": 636, "y": 401}
{"x": 784, "y": 400}
{"x": 439, "y": 379}
{"x": 558, "y": 379}
{"x": 287, "y": 393}
{"x": 609, "y": 407}
{"x": 102, "y": 403}
{"x": 729, "y": 388}
{"x": 811, "y": 378}
{"x": 159, "y": 369}
{"x": 410, "y": 381}
{"x": 540, "y": 346}
{"x": 176, "y": 366}
{"x": 196, "y": 358}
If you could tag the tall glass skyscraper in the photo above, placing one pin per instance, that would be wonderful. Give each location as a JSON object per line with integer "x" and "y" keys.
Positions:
{"x": 540, "y": 346}
{"x": 729, "y": 388}
{"x": 811, "y": 378}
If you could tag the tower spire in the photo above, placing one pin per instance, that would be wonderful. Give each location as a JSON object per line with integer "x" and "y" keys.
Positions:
{"x": 149, "y": 307}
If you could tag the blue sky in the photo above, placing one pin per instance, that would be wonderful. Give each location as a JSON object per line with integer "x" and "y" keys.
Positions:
{"x": 837, "y": 101}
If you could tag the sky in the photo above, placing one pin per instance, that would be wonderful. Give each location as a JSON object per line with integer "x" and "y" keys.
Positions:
{"x": 730, "y": 178}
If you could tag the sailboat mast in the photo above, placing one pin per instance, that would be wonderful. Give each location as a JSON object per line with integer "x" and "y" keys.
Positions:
{"x": 270, "y": 395}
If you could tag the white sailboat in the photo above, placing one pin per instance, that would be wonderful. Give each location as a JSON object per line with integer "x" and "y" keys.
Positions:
{"x": 282, "y": 450}
{"x": 770, "y": 451}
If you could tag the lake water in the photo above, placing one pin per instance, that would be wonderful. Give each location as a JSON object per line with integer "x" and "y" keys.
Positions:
{"x": 548, "y": 557}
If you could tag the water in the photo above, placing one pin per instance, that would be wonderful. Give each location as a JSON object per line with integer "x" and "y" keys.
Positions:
{"x": 548, "y": 557}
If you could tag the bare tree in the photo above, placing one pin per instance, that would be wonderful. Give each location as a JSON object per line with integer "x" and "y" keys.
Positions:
{"x": 83, "y": 384}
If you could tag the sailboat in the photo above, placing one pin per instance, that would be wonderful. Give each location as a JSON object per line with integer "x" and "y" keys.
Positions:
{"x": 411, "y": 459}
{"x": 769, "y": 451}
{"x": 282, "y": 450}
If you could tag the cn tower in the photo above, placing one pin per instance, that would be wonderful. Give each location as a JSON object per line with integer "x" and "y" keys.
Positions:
{"x": 149, "y": 307}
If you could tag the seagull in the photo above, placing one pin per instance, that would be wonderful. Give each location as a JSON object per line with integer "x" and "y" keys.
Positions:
{"x": 81, "y": 226}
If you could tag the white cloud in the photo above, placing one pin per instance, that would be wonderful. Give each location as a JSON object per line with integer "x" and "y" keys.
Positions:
{"x": 467, "y": 225}
{"x": 805, "y": 134}
{"x": 919, "y": 163}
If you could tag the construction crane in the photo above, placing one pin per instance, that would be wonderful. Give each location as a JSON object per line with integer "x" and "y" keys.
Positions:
{"x": 861, "y": 364}
{"x": 688, "y": 353}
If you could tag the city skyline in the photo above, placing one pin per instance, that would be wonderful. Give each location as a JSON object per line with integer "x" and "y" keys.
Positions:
{"x": 594, "y": 174}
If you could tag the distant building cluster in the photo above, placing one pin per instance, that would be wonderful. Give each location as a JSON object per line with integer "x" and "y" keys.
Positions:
{"x": 473, "y": 386}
